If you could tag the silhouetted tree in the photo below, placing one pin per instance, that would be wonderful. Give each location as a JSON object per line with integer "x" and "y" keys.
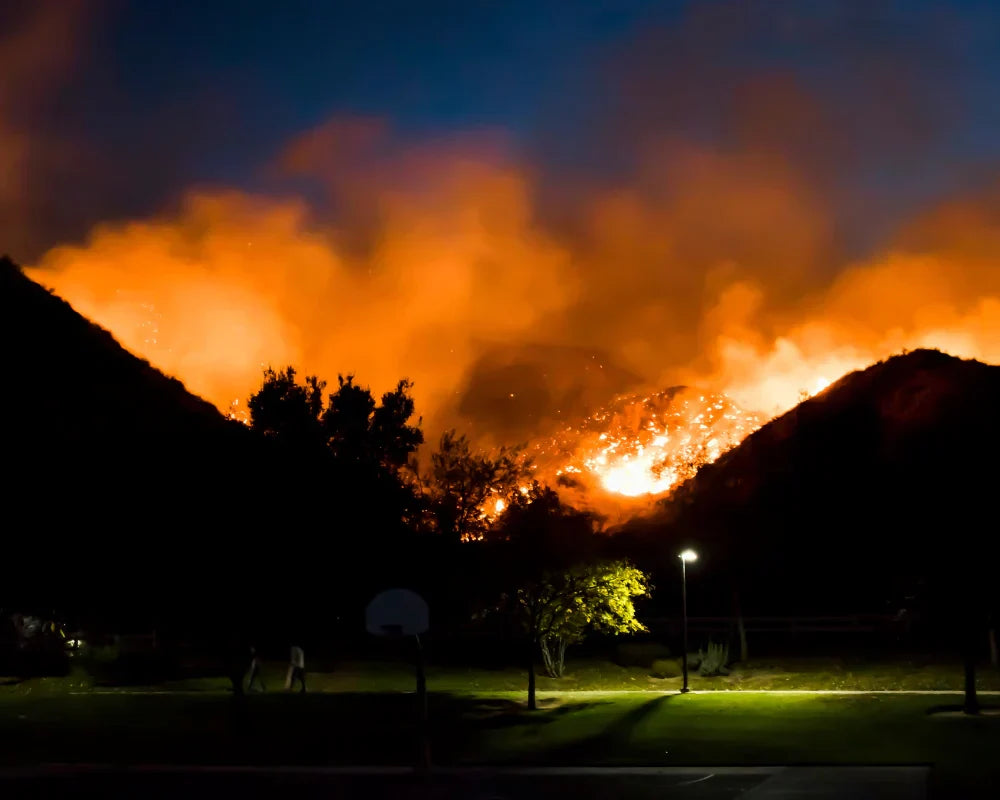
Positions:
{"x": 352, "y": 427}
{"x": 395, "y": 439}
{"x": 347, "y": 420}
{"x": 371, "y": 444}
{"x": 464, "y": 483}
{"x": 360, "y": 432}
{"x": 354, "y": 454}
{"x": 287, "y": 410}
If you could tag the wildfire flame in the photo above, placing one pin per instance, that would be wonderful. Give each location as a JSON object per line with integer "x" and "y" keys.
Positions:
{"x": 644, "y": 446}
{"x": 237, "y": 414}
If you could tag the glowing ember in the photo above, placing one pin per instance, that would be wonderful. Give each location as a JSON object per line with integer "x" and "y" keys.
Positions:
{"x": 493, "y": 507}
{"x": 238, "y": 414}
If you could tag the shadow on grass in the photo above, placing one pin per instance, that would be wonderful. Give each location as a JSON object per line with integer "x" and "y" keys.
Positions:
{"x": 955, "y": 710}
{"x": 610, "y": 740}
{"x": 270, "y": 728}
{"x": 501, "y": 713}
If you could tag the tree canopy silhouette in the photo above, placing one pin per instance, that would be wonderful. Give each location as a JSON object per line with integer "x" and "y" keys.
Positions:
{"x": 362, "y": 447}
{"x": 351, "y": 425}
{"x": 463, "y": 483}
{"x": 359, "y": 431}
{"x": 286, "y": 409}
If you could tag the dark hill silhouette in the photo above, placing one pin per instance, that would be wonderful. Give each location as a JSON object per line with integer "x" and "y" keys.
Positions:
{"x": 881, "y": 486}
{"x": 118, "y": 481}
{"x": 50, "y": 346}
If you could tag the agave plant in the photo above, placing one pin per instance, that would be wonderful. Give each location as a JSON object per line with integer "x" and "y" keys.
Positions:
{"x": 713, "y": 661}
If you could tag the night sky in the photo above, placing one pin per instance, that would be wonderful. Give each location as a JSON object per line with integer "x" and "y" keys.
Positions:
{"x": 125, "y": 105}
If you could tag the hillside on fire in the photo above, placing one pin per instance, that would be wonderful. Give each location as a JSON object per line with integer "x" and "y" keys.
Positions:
{"x": 879, "y": 488}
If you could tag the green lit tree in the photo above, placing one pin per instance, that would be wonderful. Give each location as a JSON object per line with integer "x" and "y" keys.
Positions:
{"x": 555, "y": 585}
{"x": 563, "y": 606}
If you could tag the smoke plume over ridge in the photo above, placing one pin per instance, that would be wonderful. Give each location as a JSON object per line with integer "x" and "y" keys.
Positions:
{"x": 723, "y": 242}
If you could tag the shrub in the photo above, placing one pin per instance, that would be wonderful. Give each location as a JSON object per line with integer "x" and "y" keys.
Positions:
{"x": 666, "y": 668}
{"x": 108, "y": 665}
{"x": 39, "y": 662}
{"x": 714, "y": 659}
{"x": 640, "y": 654}
{"x": 99, "y": 654}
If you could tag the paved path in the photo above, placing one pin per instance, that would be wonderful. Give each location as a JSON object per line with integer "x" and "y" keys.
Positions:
{"x": 585, "y": 692}
{"x": 777, "y": 691}
{"x": 581, "y": 783}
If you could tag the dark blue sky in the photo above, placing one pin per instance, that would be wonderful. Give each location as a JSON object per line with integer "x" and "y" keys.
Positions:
{"x": 233, "y": 81}
{"x": 162, "y": 95}
{"x": 426, "y": 65}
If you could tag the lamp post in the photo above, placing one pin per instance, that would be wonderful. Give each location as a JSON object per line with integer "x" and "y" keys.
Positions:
{"x": 685, "y": 557}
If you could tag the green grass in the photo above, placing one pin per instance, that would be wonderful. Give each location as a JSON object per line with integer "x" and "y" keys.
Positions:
{"x": 364, "y": 714}
{"x": 494, "y": 728}
{"x": 760, "y": 730}
{"x": 588, "y": 675}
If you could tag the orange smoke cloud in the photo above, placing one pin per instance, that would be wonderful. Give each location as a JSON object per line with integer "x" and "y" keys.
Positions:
{"x": 658, "y": 252}
{"x": 233, "y": 282}
{"x": 936, "y": 286}
{"x": 710, "y": 268}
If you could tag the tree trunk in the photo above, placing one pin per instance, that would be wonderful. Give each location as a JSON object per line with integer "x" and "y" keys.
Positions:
{"x": 740, "y": 626}
{"x": 561, "y": 658}
{"x": 532, "y": 702}
{"x": 994, "y": 657}
{"x": 971, "y": 704}
{"x": 551, "y": 668}
{"x": 553, "y": 658}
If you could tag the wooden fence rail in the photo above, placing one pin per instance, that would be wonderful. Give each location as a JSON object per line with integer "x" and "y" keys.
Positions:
{"x": 860, "y": 623}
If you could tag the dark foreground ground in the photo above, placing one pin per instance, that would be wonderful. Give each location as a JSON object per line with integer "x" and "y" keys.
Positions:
{"x": 283, "y": 730}
{"x": 824, "y": 783}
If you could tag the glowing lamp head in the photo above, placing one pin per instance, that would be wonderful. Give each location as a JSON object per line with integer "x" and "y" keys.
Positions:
{"x": 688, "y": 556}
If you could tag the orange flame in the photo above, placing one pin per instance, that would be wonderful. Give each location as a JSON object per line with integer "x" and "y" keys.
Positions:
{"x": 643, "y": 446}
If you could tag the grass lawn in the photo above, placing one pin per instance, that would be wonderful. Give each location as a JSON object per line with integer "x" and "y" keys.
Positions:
{"x": 757, "y": 729}
{"x": 593, "y": 675}
{"x": 493, "y": 728}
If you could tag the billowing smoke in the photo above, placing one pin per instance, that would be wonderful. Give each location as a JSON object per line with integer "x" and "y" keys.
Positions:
{"x": 38, "y": 41}
{"x": 743, "y": 235}
{"x": 231, "y": 283}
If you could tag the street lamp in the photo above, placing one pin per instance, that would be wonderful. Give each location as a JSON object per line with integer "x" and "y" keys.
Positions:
{"x": 687, "y": 555}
